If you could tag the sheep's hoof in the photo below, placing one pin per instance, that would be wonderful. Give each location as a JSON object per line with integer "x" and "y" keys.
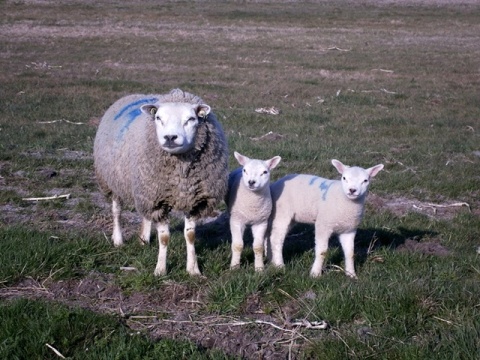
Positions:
{"x": 315, "y": 274}
{"x": 159, "y": 272}
{"x": 235, "y": 267}
{"x": 194, "y": 272}
{"x": 143, "y": 242}
{"x": 259, "y": 269}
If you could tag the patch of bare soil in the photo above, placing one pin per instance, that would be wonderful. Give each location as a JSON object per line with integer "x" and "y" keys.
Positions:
{"x": 174, "y": 312}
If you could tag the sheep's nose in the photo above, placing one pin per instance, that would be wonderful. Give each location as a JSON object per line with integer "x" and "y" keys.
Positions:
{"x": 352, "y": 191}
{"x": 251, "y": 182}
{"x": 170, "y": 138}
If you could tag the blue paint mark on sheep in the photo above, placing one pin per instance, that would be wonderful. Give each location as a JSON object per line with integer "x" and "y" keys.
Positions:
{"x": 130, "y": 112}
{"x": 135, "y": 105}
{"x": 324, "y": 186}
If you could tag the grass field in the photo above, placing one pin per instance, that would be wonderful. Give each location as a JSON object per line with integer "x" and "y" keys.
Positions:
{"x": 376, "y": 81}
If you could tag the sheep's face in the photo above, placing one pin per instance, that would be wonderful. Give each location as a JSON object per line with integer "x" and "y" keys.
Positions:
{"x": 176, "y": 124}
{"x": 355, "y": 180}
{"x": 256, "y": 173}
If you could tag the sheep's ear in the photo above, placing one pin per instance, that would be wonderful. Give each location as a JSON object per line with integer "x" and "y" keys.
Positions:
{"x": 339, "y": 166}
{"x": 150, "y": 110}
{"x": 273, "y": 162}
{"x": 203, "y": 110}
{"x": 374, "y": 170}
{"x": 242, "y": 159}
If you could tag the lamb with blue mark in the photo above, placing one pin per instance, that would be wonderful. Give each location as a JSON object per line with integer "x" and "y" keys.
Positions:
{"x": 334, "y": 206}
{"x": 162, "y": 153}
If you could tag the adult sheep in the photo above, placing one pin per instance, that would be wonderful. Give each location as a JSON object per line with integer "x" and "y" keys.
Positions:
{"x": 162, "y": 153}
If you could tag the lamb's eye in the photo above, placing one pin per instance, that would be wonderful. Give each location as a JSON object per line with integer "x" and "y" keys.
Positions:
{"x": 157, "y": 118}
{"x": 191, "y": 119}
{"x": 344, "y": 178}
{"x": 265, "y": 172}
{"x": 365, "y": 181}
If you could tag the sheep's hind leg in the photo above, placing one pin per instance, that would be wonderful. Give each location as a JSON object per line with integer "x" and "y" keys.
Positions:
{"x": 321, "y": 247}
{"x": 258, "y": 232}
{"x": 276, "y": 239}
{"x": 189, "y": 232}
{"x": 145, "y": 231}
{"x": 237, "y": 231}
{"x": 163, "y": 240}
{"x": 117, "y": 230}
{"x": 347, "y": 242}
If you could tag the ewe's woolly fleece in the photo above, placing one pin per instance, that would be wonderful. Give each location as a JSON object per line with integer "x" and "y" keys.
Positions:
{"x": 131, "y": 166}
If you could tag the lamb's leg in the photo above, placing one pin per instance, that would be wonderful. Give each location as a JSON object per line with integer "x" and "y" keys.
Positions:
{"x": 145, "y": 231}
{"x": 189, "y": 232}
{"x": 278, "y": 233}
{"x": 163, "y": 239}
{"x": 347, "y": 242}
{"x": 258, "y": 232}
{"x": 237, "y": 230}
{"x": 117, "y": 231}
{"x": 321, "y": 247}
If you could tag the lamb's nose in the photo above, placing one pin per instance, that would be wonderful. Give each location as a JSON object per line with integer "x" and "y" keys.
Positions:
{"x": 352, "y": 191}
{"x": 170, "y": 138}
{"x": 251, "y": 182}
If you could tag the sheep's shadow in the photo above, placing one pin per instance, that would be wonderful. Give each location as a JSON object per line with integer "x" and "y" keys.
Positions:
{"x": 301, "y": 239}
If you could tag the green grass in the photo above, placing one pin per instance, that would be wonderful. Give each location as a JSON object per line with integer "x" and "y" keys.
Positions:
{"x": 28, "y": 326}
{"x": 364, "y": 83}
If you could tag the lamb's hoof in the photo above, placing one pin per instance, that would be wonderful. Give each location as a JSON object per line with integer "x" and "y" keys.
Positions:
{"x": 159, "y": 272}
{"x": 117, "y": 244}
{"x": 194, "y": 272}
{"x": 259, "y": 269}
{"x": 315, "y": 274}
{"x": 143, "y": 242}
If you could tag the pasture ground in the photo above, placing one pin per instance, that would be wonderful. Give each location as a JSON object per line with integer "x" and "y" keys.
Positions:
{"x": 366, "y": 82}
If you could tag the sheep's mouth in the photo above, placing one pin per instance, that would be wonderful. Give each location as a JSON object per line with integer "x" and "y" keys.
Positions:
{"x": 173, "y": 148}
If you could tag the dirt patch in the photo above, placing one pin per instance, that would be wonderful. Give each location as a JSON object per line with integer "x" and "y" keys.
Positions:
{"x": 175, "y": 312}
{"x": 426, "y": 248}
{"x": 401, "y": 206}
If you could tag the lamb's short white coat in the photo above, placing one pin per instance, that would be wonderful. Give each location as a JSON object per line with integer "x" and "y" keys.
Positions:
{"x": 250, "y": 204}
{"x": 334, "y": 206}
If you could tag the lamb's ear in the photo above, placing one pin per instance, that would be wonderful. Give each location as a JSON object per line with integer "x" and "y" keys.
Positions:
{"x": 273, "y": 162}
{"x": 150, "y": 110}
{"x": 374, "y": 170}
{"x": 339, "y": 166}
{"x": 203, "y": 110}
{"x": 242, "y": 159}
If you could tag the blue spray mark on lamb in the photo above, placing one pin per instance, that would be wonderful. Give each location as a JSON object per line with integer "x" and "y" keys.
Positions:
{"x": 324, "y": 186}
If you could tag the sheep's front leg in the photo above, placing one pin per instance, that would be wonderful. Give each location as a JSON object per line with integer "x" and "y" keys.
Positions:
{"x": 237, "y": 230}
{"x": 117, "y": 230}
{"x": 189, "y": 232}
{"x": 258, "y": 232}
{"x": 163, "y": 240}
{"x": 145, "y": 231}
{"x": 347, "y": 242}
{"x": 321, "y": 247}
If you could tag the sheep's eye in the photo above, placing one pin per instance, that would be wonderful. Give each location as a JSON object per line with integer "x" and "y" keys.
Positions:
{"x": 158, "y": 118}
{"x": 265, "y": 172}
{"x": 344, "y": 178}
{"x": 365, "y": 181}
